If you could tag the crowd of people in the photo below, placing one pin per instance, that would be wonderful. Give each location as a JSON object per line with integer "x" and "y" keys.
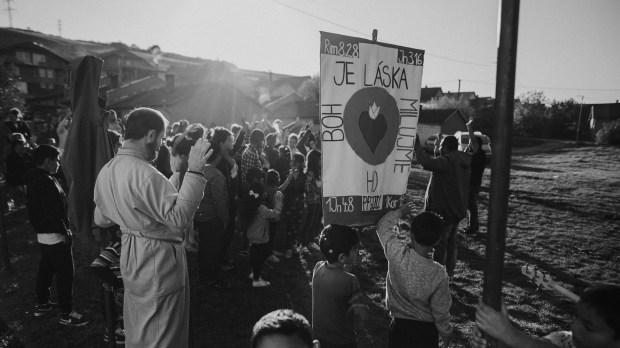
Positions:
{"x": 177, "y": 188}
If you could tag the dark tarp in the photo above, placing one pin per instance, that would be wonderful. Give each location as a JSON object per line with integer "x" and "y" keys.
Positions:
{"x": 88, "y": 147}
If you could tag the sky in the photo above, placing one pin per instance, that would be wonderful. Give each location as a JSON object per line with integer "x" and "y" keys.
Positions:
{"x": 566, "y": 48}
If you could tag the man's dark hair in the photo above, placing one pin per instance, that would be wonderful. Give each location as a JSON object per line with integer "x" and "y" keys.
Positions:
{"x": 15, "y": 111}
{"x": 605, "y": 300}
{"x": 254, "y": 173}
{"x": 270, "y": 137}
{"x": 219, "y": 135}
{"x": 336, "y": 240}
{"x": 43, "y": 152}
{"x": 257, "y": 136}
{"x": 273, "y": 178}
{"x": 284, "y": 322}
{"x": 426, "y": 228}
{"x": 451, "y": 143}
{"x": 142, "y": 120}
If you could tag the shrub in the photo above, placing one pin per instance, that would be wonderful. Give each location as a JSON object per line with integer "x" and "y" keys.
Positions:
{"x": 609, "y": 134}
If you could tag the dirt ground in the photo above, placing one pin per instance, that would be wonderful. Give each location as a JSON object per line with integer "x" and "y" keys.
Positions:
{"x": 564, "y": 218}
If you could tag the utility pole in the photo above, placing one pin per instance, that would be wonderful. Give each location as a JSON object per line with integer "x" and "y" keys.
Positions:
{"x": 502, "y": 155}
{"x": 59, "y": 27}
{"x": 459, "y": 91}
{"x": 10, "y": 10}
{"x": 579, "y": 121}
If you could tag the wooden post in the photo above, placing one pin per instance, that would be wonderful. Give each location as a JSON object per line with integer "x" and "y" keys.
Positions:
{"x": 375, "y": 32}
{"x": 502, "y": 153}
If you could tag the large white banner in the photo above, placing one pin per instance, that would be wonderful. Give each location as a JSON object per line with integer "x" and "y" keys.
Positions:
{"x": 370, "y": 102}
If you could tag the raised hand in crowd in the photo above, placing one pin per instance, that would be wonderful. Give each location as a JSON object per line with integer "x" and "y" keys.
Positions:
{"x": 198, "y": 156}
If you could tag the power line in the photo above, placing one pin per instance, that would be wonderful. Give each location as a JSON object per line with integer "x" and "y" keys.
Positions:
{"x": 319, "y": 18}
{"x": 361, "y": 33}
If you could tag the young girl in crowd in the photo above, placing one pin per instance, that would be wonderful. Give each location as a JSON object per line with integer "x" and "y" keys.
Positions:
{"x": 256, "y": 216}
{"x": 293, "y": 189}
{"x": 312, "y": 223}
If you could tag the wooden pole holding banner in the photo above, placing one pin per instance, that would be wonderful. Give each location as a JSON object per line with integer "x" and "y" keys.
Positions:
{"x": 502, "y": 153}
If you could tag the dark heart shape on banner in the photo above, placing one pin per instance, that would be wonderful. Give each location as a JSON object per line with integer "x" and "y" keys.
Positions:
{"x": 373, "y": 129}
{"x": 371, "y": 121}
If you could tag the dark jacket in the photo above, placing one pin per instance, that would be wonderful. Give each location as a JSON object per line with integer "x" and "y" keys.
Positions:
{"x": 272, "y": 155}
{"x": 47, "y": 203}
{"x": 448, "y": 188}
{"x": 16, "y": 167}
{"x": 214, "y": 203}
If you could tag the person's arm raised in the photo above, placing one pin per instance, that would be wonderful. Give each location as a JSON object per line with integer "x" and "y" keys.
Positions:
{"x": 198, "y": 156}
{"x": 473, "y": 142}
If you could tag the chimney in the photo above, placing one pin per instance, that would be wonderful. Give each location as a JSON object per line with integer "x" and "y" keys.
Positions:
{"x": 169, "y": 82}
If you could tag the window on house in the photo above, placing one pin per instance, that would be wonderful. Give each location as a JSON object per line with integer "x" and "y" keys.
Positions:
{"x": 38, "y": 58}
{"x": 50, "y": 73}
{"x": 41, "y": 72}
{"x": 47, "y": 85}
{"x": 23, "y": 56}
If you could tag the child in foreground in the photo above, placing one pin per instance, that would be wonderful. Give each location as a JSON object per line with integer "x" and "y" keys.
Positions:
{"x": 257, "y": 216}
{"x": 417, "y": 292}
{"x": 282, "y": 328}
{"x": 336, "y": 294}
{"x": 596, "y": 324}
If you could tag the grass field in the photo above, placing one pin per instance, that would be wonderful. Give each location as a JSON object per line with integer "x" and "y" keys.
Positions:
{"x": 564, "y": 217}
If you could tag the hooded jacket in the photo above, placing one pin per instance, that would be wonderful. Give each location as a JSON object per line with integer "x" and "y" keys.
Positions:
{"x": 448, "y": 187}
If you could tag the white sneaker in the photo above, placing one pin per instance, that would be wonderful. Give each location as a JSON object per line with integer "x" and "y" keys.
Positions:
{"x": 251, "y": 276}
{"x": 314, "y": 246}
{"x": 260, "y": 283}
{"x": 273, "y": 258}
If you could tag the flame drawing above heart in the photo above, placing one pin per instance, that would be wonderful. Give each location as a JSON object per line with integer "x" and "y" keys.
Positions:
{"x": 373, "y": 110}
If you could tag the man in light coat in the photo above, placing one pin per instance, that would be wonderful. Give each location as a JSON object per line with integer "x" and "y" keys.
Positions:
{"x": 152, "y": 215}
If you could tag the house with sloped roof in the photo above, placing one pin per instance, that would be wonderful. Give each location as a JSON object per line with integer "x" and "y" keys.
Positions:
{"x": 429, "y": 93}
{"x": 42, "y": 75}
{"x": 133, "y": 88}
{"x": 218, "y": 103}
{"x": 446, "y": 121}
{"x": 461, "y": 95}
{"x": 291, "y": 107}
